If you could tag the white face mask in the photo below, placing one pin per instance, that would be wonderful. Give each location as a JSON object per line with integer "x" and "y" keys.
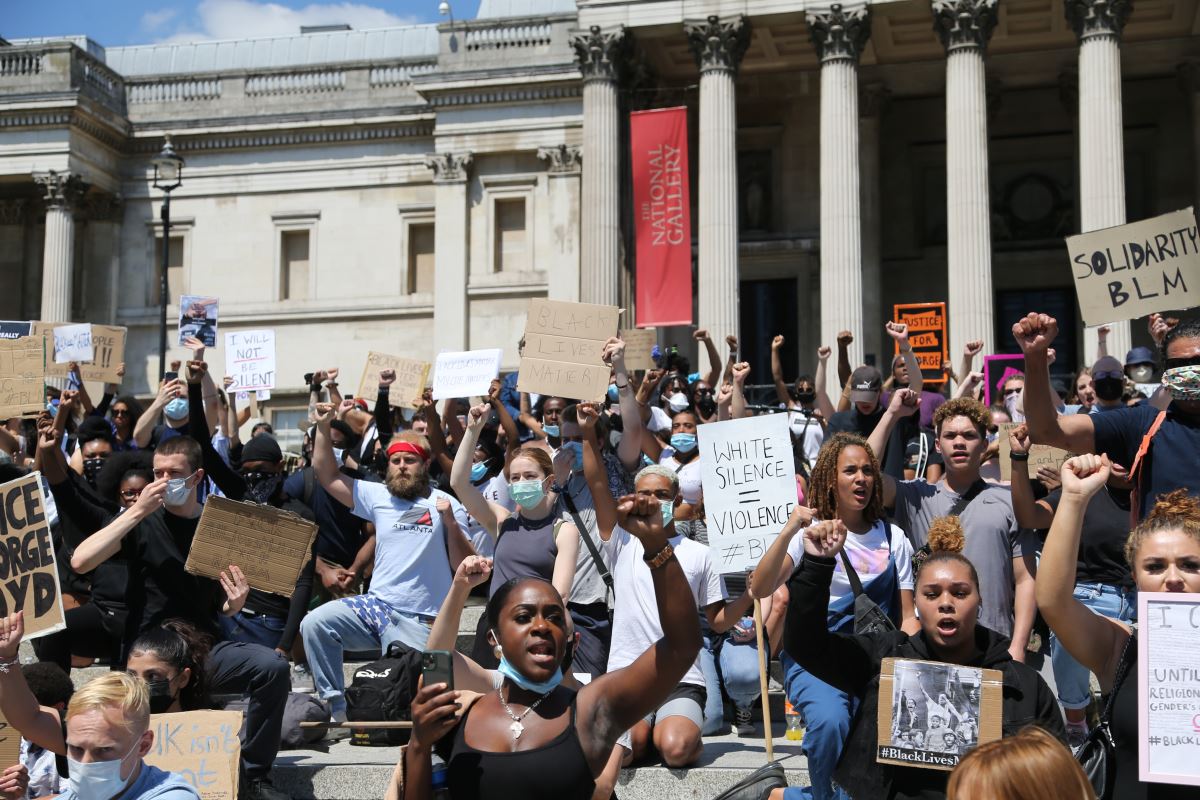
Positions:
{"x": 1141, "y": 373}
{"x": 98, "y": 780}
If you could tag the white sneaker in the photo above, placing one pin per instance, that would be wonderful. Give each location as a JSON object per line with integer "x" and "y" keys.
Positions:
{"x": 302, "y": 679}
{"x": 743, "y": 722}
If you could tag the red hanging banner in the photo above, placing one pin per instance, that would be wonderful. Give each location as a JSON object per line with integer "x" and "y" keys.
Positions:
{"x": 662, "y": 207}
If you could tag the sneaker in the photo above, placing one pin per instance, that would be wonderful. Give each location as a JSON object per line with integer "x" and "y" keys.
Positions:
{"x": 302, "y": 679}
{"x": 1077, "y": 733}
{"x": 262, "y": 789}
{"x": 335, "y": 734}
{"x": 743, "y": 723}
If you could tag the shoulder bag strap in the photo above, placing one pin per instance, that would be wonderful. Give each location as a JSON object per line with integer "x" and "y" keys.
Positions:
{"x": 1122, "y": 670}
{"x": 1135, "y": 472}
{"x": 855, "y": 584}
{"x": 961, "y": 504}
{"x": 586, "y": 535}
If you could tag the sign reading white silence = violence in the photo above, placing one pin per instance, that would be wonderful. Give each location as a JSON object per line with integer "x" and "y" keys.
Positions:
{"x": 749, "y": 481}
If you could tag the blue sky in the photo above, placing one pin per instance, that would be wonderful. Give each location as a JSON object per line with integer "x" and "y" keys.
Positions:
{"x": 121, "y": 22}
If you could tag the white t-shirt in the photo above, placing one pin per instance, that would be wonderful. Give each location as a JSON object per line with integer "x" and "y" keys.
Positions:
{"x": 868, "y": 553}
{"x": 494, "y": 490}
{"x": 690, "y": 482}
{"x": 636, "y": 626}
{"x": 412, "y": 571}
{"x": 814, "y": 434}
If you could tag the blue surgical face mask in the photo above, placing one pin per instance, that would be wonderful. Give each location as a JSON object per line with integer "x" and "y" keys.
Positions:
{"x": 176, "y": 409}
{"x": 526, "y": 494}
{"x": 683, "y": 442}
{"x": 551, "y": 430}
{"x": 177, "y": 491}
{"x": 478, "y": 471}
{"x": 576, "y": 449}
{"x": 668, "y": 511}
{"x": 509, "y": 671}
{"x": 338, "y": 453}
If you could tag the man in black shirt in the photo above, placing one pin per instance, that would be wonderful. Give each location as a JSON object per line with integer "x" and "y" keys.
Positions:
{"x": 865, "y": 386}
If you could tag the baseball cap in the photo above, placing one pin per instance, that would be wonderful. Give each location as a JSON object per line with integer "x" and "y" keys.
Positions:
{"x": 865, "y": 383}
{"x": 1139, "y": 355}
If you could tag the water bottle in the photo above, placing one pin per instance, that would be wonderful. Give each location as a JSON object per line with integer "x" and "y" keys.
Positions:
{"x": 440, "y": 790}
{"x": 795, "y": 722}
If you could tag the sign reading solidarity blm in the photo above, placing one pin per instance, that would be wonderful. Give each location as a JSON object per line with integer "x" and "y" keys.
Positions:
{"x": 749, "y": 486}
{"x": 926, "y": 335}
{"x": 28, "y": 575}
{"x": 564, "y": 343}
{"x": 1168, "y": 663}
{"x": 1133, "y": 270}
{"x": 202, "y": 747}
{"x": 250, "y": 360}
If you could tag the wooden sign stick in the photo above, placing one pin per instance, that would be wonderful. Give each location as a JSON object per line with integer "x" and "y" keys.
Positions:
{"x": 762, "y": 681}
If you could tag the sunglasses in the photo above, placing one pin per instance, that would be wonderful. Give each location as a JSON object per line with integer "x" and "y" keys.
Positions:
{"x": 1010, "y": 392}
{"x": 120, "y": 412}
{"x": 1187, "y": 361}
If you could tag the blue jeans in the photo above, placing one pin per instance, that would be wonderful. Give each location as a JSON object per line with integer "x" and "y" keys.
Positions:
{"x": 253, "y": 628}
{"x": 1074, "y": 690}
{"x": 827, "y": 712}
{"x": 714, "y": 705}
{"x": 738, "y": 674}
{"x": 333, "y": 628}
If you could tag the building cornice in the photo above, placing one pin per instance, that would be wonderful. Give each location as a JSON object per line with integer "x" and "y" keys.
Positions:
{"x": 282, "y": 137}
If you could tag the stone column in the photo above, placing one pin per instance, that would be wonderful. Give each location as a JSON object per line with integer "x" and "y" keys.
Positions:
{"x": 1098, "y": 24}
{"x": 718, "y": 45}
{"x": 450, "y": 252}
{"x": 871, "y": 104}
{"x": 965, "y": 27}
{"x": 563, "y": 197}
{"x": 840, "y": 35}
{"x": 60, "y": 191}
{"x": 599, "y": 53}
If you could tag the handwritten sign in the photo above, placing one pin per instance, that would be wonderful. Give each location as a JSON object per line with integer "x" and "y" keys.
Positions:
{"x": 270, "y": 546}
{"x": 1040, "y": 455}
{"x": 1168, "y": 662}
{"x": 250, "y": 359}
{"x": 639, "y": 348}
{"x": 108, "y": 347}
{"x": 202, "y": 747}
{"x": 10, "y": 745}
{"x": 1129, "y": 271}
{"x": 466, "y": 374}
{"x": 73, "y": 343}
{"x": 927, "y": 336}
{"x": 22, "y": 376}
{"x": 996, "y": 372}
{"x": 198, "y": 318}
{"x": 411, "y": 376}
{"x": 749, "y": 481}
{"x": 28, "y": 573}
{"x": 563, "y": 347}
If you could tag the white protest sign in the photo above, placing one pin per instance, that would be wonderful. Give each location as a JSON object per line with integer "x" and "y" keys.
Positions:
{"x": 1168, "y": 681}
{"x": 73, "y": 343}
{"x": 250, "y": 360}
{"x": 749, "y": 481}
{"x": 466, "y": 374}
{"x": 1129, "y": 271}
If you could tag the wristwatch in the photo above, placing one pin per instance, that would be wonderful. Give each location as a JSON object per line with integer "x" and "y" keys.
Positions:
{"x": 661, "y": 557}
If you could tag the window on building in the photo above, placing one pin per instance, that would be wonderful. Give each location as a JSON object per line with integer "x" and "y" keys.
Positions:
{"x": 175, "y": 283}
{"x": 286, "y": 422}
{"x": 294, "y": 266}
{"x": 511, "y": 242}
{"x": 420, "y": 258}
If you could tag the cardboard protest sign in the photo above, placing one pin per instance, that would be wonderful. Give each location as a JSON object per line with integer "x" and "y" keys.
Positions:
{"x": 10, "y": 745}
{"x": 1129, "y": 271}
{"x": 14, "y": 330}
{"x": 108, "y": 351}
{"x": 996, "y": 372}
{"x": 73, "y": 343}
{"x": 28, "y": 573}
{"x": 270, "y": 546}
{"x": 411, "y": 376}
{"x": 932, "y": 713}
{"x": 467, "y": 374}
{"x": 22, "y": 376}
{"x": 639, "y": 348}
{"x": 202, "y": 747}
{"x": 1168, "y": 662}
{"x": 250, "y": 360}
{"x": 926, "y": 335}
{"x": 749, "y": 482}
{"x": 198, "y": 318}
{"x": 1040, "y": 455}
{"x": 563, "y": 347}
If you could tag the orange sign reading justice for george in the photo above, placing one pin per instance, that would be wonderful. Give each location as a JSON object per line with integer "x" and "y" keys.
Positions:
{"x": 926, "y": 334}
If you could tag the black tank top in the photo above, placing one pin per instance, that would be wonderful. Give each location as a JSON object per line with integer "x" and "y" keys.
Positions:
{"x": 556, "y": 771}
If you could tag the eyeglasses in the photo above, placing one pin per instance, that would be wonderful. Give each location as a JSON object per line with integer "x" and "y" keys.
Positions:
{"x": 130, "y": 494}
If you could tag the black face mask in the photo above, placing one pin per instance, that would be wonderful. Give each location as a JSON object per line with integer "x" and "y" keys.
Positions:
{"x": 261, "y": 486}
{"x": 160, "y": 696}
{"x": 91, "y": 468}
{"x": 1109, "y": 389}
{"x": 706, "y": 405}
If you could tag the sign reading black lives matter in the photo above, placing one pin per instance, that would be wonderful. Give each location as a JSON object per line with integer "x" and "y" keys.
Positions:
{"x": 749, "y": 481}
{"x": 28, "y": 574}
{"x": 1133, "y": 270}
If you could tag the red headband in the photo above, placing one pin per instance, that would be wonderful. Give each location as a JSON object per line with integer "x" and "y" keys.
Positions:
{"x": 408, "y": 447}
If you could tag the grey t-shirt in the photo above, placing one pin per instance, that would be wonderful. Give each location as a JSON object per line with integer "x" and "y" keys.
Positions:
{"x": 588, "y": 587}
{"x": 993, "y": 539}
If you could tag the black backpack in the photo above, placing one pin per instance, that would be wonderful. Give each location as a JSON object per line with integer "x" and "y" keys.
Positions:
{"x": 383, "y": 691}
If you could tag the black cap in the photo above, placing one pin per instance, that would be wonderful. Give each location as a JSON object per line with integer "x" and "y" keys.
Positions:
{"x": 865, "y": 384}
{"x": 262, "y": 448}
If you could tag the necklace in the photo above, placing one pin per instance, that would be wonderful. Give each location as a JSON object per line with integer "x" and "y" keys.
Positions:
{"x": 517, "y": 728}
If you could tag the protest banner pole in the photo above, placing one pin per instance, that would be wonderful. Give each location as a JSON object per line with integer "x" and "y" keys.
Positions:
{"x": 762, "y": 681}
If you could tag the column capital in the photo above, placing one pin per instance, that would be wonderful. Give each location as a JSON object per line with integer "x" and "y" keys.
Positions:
{"x": 964, "y": 23}
{"x": 1097, "y": 17}
{"x": 449, "y": 167}
{"x": 599, "y": 52}
{"x": 718, "y": 44}
{"x": 840, "y": 33}
{"x": 60, "y": 189}
{"x": 564, "y": 158}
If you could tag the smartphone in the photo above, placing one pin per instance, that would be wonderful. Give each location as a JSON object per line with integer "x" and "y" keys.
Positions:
{"x": 170, "y": 376}
{"x": 437, "y": 666}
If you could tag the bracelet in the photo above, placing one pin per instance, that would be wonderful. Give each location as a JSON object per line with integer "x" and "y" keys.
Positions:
{"x": 661, "y": 557}
{"x": 5, "y": 665}
{"x": 1015, "y": 456}
{"x": 622, "y": 386}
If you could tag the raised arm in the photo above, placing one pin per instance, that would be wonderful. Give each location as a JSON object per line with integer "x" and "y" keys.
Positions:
{"x": 39, "y": 724}
{"x": 714, "y": 358}
{"x": 899, "y": 332}
{"x": 967, "y": 365}
{"x": 231, "y": 484}
{"x": 1032, "y": 514}
{"x": 443, "y": 635}
{"x": 85, "y": 399}
{"x": 820, "y": 381}
{"x": 212, "y": 407}
{"x": 230, "y": 425}
{"x": 776, "y": 565}
{"x": 1072, "y": 432}
{"x": 146, "y": 422}
{"x": 460, "y": 474}
{"x": 738, "y": 405}
{"x": 325, "y": 468}
{"x": 844, "y": 340}
{"x": 904, "y": 403}
{"x": 383, "y": 408}
{"x": 512, "y": 437}
{"x": 594, "y": 472}
{"x": 781, "y": 387}
{"x": 727, "y": 372}
{"x": 629, "y": 450}
{"x": 433, "y": 431}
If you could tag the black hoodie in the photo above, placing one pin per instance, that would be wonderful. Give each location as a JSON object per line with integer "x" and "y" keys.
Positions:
{"x": 852, "y": 664}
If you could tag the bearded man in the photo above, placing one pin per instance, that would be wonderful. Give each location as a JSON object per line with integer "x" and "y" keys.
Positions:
{"x": 420, "y": 539}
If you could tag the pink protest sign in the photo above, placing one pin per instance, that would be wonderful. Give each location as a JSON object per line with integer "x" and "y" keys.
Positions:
{"x": 1168, "y": 662}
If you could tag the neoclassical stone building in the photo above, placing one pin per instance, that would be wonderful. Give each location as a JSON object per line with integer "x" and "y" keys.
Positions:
{"x": 409, "y": 189}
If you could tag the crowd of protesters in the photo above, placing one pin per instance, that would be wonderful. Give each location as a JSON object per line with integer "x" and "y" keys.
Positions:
{"x": 609, "y": 636}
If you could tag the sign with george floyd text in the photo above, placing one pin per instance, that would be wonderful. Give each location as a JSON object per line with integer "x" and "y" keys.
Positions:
{"x": 1129, "y": 271}
{"x": 1168, "y": 681}
{"x": 28, "y": 574}
{"x": 250, "y": 360}
{"x": 22, "y": 376}
{"x": 466, "y": 374}
{"x": 268, "y": 545}
{"x": 411, "y": 376}
{"x": 749, "y": 480}
{"x": 926, "y": 335}
{"x": 564, "y": 344}
{"x": 202, "y": 747}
